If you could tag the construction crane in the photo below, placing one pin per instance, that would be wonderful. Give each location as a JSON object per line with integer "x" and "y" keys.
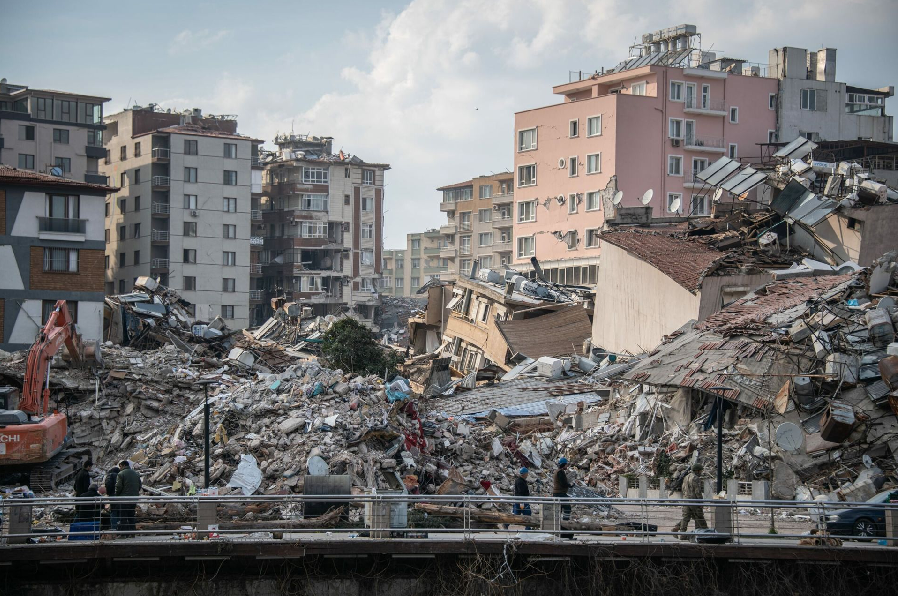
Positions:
{"x": 34, "y": 440}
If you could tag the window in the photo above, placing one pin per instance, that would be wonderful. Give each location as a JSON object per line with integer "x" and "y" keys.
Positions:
{"x": 122, "y": 179}
{"x": 229, "y": 259}
{"x": 464, "y": 245}
{"x": 48, "y": 306}
{"x": 486, "y": 239}
{"x": 137, "y": 149}
{"x": 573, "y": 166}
{"x": 526, "y": 211}
{"x": 107, "y": 208}
{"x": 317, "y": 202}
{"x": 137, "y": 176}
{"x": 95, "y": 139}
{"x": 706, "y": 96}
{"x": 734, "y": 115}
{"x": 809, "y": 99}
{"x": 190, "y": 147}
{"x": 457, "y": 194}
{"x": 229, "y": 204}
{"x": 122, "y": 204}
{"x": 314, "y": 175}
{"x": 416, "y": 243}
{"x": 527, "y": 139}
{"x": 416, "y": 263}
{"x": 465, "y": 266}
{"x": 190, "y": 175}
{"x": 136, "y": 230}
{"x": 571, "y": 239}
{"x": 771, "y": 136}
{"x": 367, "y": 203}
{"x": 399, "y": 282}
{"x": 572, "y": 203}
{"x": 227, "y": 311}
{"x": 137, "y": 203}
{"x": 137, "y": 257}
{"x": 189, "y": 255}
{"x": 592, "y": 238}
{"x": 674, "y": 201}
{"x": 464, "y": 220}
{"x": 346, "y": 200}
{"x": 485, "y": 215}
{"x": 771, "y": 101}
{"x": 368, "y": 177}
{"x": 525, "y": 246}
{"x": 368, "y": 231}
{"x": 26, "y": 162}
{"x": 60, "y": 135}
{"x": 190, "y": 229}
{"x": 733, "y": 151}
{"x": 676, "y": 91}
{"x": 574, "y": 128}
{"x": 593, "y": 201}
{"x": 229, "y": 178}
{"x": 486, "y": 191}
{"x": 106, "y": 260}
{"x": 400, "y": 263}
{"x": 527, "y": 175}
{"x": 674, "y": 165}
{"x": 67, "y": 111}
{"x": 61, "y": 260}
{"x": 699, "y": 205}
{"x": 121, "y": 233}
{"x": 416, "y": 281}
{"x": 44, "y": 108}
{"x": 367, "y": 256}
{"x": 228, "y": 284}
{"x": 346, "y": 172}
{"x": 386, "y": 281}
{"x": 637, "y": 88}
{"x": 190, "y": 282}
{"x": 229, "y": 230}
{"x": 675, "y": 128}
{"x": 230, "y": 150}
{"x": 594, "y": 126}
{"x": 26, "y": 132}
{"x": 63, "y": 206}
{"x": 486, "y": 261}
{"x": 123, "y": 153}
{"x": 121, "y": 286}
{"x": 594, "y": 163}
{"x": 313, "y": 229}
{"x": 122, "y": 260}
{"x": 93, "y": 113}
{"x": 63, "y": 163}
{"x": 189, "y": 201}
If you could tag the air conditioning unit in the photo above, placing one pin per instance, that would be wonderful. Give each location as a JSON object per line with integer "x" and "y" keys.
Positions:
{"x": 675, "y": 142}
{"x": 194, "y": 213}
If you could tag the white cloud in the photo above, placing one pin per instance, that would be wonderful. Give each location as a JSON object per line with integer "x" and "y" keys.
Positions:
{"x": 189, "y": 41}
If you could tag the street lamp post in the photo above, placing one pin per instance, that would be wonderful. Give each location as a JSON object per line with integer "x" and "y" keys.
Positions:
{"x": 205, "y": 383}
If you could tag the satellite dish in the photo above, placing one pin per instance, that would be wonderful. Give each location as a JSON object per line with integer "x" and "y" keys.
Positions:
{"x": 675, "y": 205}
{"x": 647, "y": 196}
{"x": 618, "y": 197}
{"x": 561, "y": 162}
{"x": 789, "y": 437}
{"x": 56, "y": 171}
{"x": 717, "y": 194}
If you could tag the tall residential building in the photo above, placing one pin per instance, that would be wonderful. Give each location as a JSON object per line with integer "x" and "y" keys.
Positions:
{"x": 322, "y": 225}
{"x": 406, "y": 270}
{"x": 478, "y": 222}
{"x": 188, "y": 185}
{"x": 649, "y": 124}
{"x": 42, "y": 129}
{"x": 812, "y": 104}
{"x": 51, "y": 248}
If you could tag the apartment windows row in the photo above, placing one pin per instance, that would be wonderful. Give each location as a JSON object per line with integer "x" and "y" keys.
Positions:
{"x": 122, "y": 260}
{"x": 455, "y": 195}
{"x": 593, "y": 127}
{"x": 229, "y": 231}
{"x": 47, "y": 108}
{"x": 228, "y": 258}
{"x": 26, "y": 162}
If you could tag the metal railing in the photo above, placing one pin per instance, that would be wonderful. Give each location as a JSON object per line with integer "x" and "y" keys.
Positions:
{"x": 160, "y": 235}
{"x": 161, "y": 152}
{"x": 161, "y": 208}
{"x": 255, "y": 268}
{"x": 460, "y": 517}
{"x": 62, "y": 225}
{"x": 255, "y": 294}
{"x": 159, "y": 264}
{"x": 710, "y": 105}
{"x": 256, "y": 240}
{"x": 255, "y": 215}
{"x": 161, "y": 181}
{"x": 710, "y": 142}
{"x": 256, "y": 161}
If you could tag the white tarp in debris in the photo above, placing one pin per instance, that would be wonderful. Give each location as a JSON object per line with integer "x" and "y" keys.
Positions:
{"x": 248, "y": 476}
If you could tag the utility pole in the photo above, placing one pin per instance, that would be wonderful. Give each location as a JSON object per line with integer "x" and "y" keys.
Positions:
{"x": 206, "y": 451}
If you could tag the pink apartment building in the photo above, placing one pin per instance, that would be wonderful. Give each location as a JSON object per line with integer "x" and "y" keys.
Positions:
{"x": 636, "y": 129}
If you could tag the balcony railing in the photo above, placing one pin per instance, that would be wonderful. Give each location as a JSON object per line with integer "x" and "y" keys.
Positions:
{"x": 255, "y": 268}
{"x": 255, "y": 215}
{"x": 256, "y": 240}
{"x": 465, "y": 226}
{"x": 710, "y": 105}
{"x": 161, "y": 181}
{"x": 256, "y": 161}
{"x": 160, "y": 235}
{"x": 161, "y": 152}
{"x": 255, "y": 294}
{"x": 159, "y": 264}
{"x": 161, "y": 208}
{"x": 704, "y": 142}
{"x": 62, "y": 225}
{"x": 502, "y": 222}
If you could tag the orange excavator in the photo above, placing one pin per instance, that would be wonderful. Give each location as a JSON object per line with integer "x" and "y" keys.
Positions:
{"x": 34, "y": 440}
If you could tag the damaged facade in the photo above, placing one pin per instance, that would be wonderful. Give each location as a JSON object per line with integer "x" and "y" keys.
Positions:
{"x": 405, "y": 270}
{"x": 321, "y": 229}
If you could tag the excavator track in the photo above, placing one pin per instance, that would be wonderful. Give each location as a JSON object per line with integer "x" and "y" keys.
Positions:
{"x": 64, "y": 465}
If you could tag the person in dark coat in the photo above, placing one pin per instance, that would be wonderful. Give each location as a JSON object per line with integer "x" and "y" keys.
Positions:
{"x": 127, "y": 484}
{"x": 109, "y": 483}
{"x": 92, "y": 508}
{"x": 521, "y": 489}
{"x": 82, "y": 479}
{"x": 560, "y": 486}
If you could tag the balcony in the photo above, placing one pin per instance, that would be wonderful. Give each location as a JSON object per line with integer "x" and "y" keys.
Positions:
{"x": 255, "y": 241}
{"x": 95, "y": 152}
{"x": 431, "y": 250}
{"x": 448, "y": 229}
{"x": 161, "y": 182}
{"x": 255, "y": 268}
{"x": 502, "y": 245}
{"x": 464, "y": 226}
{"x": 256, "y": 295}
{"x": 448, "y": 252}
{"x": 255, "y": 215}
{"x": 161, "y": 153}
{"x": 256, "y": 161}
{"x": 504, "y": 198}
{"x": 95, "y": 178}
{"x": 160, "y": 208}
{"x": 705, "y": 144}
{"x": 708, "y": 107}
{"x": 447, "y": 206}
{"x": 503, "y": 222}
{"x": 159, "y": 264}
{"x": 159, "y": 236}
{"x": 690, "y": 180}
{"x": 464, "y": 250}
{"x": 62, "y": 228}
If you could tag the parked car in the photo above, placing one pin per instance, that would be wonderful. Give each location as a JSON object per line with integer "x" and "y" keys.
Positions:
{"x": 866, "y": 521}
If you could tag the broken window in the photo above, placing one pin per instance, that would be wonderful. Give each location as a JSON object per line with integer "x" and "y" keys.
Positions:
{"x": 367, "y": 256}
{"x": 571, "y": 240}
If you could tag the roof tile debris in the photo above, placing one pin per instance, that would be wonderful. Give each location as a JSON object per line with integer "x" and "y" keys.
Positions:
{"x": 10, "y": 175}
{"x": 554, "y": 334}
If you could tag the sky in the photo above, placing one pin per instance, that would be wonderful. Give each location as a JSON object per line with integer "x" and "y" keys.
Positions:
{"x": 428, "y": 86}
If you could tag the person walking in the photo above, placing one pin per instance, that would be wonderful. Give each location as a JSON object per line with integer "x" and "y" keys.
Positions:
{"x": 521, "y": 489}
{"x": 82, "y": 478}
{"x": 560, "y": 486}
{"x": 127, "y": 484}
{"x": 109, "y": 484}
{"x": 692, "y": 489}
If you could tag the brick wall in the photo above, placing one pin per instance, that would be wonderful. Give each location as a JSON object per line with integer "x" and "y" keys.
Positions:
{"x": 89, "y": 278}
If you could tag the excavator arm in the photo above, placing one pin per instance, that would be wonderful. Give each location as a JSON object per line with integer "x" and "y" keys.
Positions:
{"x": 59, "y": 330}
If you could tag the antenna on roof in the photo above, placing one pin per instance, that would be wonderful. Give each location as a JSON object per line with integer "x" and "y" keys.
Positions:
{"x": 647, "y": 196}
{"x": 618, "y": 197}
